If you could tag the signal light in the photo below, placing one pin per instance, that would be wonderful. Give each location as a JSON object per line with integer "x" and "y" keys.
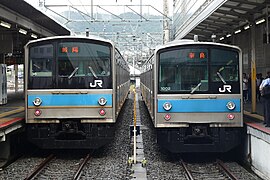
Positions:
{"x": 37, "y": 112}
{"x": 102, "y": 112}
{"x": 167, "y": 117}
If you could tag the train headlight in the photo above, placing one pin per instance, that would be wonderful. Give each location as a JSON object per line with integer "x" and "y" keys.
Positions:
{"x": 230, "y": 105}
{"x": 37, "y": 101}
{"x": 102, "y": 101}
{"x": 167, "y": 106}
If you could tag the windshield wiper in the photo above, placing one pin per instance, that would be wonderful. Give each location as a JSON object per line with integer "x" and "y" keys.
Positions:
{"x": 221, "y": 78}
{"x": 196, "y": 88}
{"x": 73, "y": 73}
{"x": 93, "y": 72}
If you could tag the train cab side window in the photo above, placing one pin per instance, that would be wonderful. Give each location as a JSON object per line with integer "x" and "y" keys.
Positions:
{"x": 41, "y": 60}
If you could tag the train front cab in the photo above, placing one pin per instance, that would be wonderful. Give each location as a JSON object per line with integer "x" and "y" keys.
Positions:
{"x": 199, "y": 98}
{"x": 59, "y": 124}
{"x": 198, "y": 125}
{"x": 70, "y": 92}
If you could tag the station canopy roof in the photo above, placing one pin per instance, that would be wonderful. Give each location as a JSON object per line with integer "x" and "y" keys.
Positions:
{"x": 23, "y": 8}
{"x": 230, "y": 18}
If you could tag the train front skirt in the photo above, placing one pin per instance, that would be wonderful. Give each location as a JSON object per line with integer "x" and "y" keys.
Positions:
{"x": 70, "y": 135}
{"x": 199, "y": 138}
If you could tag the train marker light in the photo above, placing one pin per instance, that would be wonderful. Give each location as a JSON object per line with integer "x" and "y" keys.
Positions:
{"x": 37, "y": 101}
{"x": 167, "y": 117}
{"x": 102, "y": 101}
{"x": 37, "y": 112}
{"x": 102, "y": 112}
{"x": 167, "y": 106}
{"x": 230, "y": 116}
{"x": 230, "y": 105}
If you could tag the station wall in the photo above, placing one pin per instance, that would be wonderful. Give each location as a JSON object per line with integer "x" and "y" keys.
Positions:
{"x": 262, "y": 49}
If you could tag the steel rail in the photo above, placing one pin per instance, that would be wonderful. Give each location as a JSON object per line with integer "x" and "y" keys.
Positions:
{"x": 189, "y": 175}
{"x": 227, "y": 171}
{"x": 40, "y": 167}
{"x": 79, "y": 171}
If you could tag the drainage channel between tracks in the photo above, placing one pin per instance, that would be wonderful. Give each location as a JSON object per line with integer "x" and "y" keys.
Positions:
{"x": 138, "y": 166}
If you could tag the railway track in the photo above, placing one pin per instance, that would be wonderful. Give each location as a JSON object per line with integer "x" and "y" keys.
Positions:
{"x": 217, "y": 170}
{"x": 109, "y": 162}
{"x": 44, "y": 168}
{"x": 40, "y": 167}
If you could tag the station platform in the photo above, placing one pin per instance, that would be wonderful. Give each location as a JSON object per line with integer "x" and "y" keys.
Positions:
{"x": 11, "y": 114}
{"x": 258, "y": 115}
{"x": 257, "y": 140}
{"x": 11, "y": 126}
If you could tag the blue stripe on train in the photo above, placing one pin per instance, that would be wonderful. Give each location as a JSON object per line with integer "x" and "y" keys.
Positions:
{"x": 69, "y": 99}
{"x": 199, "y": 105}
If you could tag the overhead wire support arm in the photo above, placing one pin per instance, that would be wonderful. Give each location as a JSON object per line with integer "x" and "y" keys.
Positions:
{"x": 83, "y": 13}
{"x": 161, "y": 12}
{"x": 110, "y": 12}
{"x": 136, "y": 12}
{"x": 57, "y": 14}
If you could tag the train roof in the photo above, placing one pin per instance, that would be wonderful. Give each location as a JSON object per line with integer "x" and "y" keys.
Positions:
{"x": 70, "y": 37}
{"x": 192, "y": 42}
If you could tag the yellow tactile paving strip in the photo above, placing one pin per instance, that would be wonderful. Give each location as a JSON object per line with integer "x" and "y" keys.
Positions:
{"x": 8, "y": 113}
{"x": 257, "y": 116}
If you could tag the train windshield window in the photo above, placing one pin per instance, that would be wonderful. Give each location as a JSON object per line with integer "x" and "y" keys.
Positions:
{"x": 224, "y": 65}
{"x": 183, "y": 70}
{"x": 83, "y": 59}
{"x": 41, "y": 61}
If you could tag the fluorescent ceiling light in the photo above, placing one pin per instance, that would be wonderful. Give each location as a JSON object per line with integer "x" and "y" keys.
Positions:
{"x": 259, "y": 21}
{"x": 238, "y": 31}
{"x": 22, "y": 31}
{"x": 228, "y": 35}
{"x": 34, "y": 36}
{"x": 221, "y": 38}
{"x": 5, "y": 24}
{"x": 246, "y": 27}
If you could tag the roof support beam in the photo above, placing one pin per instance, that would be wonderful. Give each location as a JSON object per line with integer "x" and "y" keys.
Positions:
{"x": 247, "y": 2}
{"x": 217, "y": 26}
{"x": 240, "y": 8}
{"x": 233, "y": 23}
{"x": 24, "y": 22}
{"x": 241, "y": 16}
